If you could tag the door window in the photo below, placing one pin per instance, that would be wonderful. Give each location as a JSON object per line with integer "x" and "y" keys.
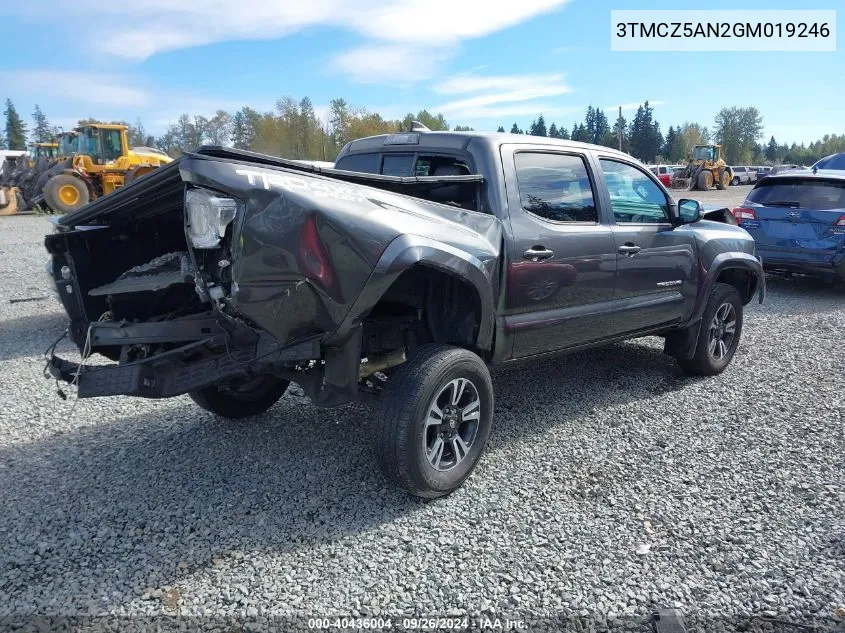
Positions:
{"x": 634, "y": 197}
{"x": 555, "y": 187}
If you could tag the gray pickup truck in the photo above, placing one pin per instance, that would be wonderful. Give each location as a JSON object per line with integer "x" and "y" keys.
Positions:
{"x": 400, "y": 275}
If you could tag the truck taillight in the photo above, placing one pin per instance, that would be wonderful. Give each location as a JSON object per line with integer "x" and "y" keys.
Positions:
{"x": 313, "y": 258}
{"x": 744, "y": 213}
{"x": 840, "y": 221}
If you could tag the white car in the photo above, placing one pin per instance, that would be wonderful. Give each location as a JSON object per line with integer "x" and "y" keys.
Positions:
{"x": 743, "y": 175}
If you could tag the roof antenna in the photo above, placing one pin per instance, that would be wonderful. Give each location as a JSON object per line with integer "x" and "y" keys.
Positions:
{"x": 416, "y": 126}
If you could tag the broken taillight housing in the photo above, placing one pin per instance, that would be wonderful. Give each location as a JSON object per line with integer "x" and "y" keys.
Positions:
{"x": 744, "y": 213}
{"x": 313, "y": 258}
{"x": 208, "y": 215}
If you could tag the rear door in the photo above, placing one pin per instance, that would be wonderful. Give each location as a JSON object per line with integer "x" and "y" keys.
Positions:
{"x": 561, "y": 256}
{"x": 656, "y": 278}
{"x": 797, "y": 220}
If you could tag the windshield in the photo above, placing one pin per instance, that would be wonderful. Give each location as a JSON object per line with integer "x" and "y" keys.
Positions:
{"x": 801, "y": 194}
{"x": 67, "y": 144}
{"x": 702, "y": 152}
{"x": 103, "y": 146}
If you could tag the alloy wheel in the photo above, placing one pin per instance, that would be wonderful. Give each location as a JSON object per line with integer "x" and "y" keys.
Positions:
{"x": 451, "y": 425}
{"x": 722, "y": 331}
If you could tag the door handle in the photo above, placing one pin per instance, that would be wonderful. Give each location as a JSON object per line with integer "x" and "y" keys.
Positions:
{"x": 538, "y": 253}
{"x": 629, "y": 249}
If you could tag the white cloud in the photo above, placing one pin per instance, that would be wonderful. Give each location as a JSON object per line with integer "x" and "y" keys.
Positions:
{"x": 418, "y": 31}
{"x": 633, "y": 105}
{"x": 380, "y": 63}
{"x": 463, "y": 84}
{"x": 85, "y": 88}
{"x": 500, "y": 95}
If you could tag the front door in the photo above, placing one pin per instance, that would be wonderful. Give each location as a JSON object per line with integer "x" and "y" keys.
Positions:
{"x": 656, "y": 269}
{"x": 561, "y": 255}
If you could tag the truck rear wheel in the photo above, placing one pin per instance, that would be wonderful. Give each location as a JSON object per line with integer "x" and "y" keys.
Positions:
{"x": 64, "y": 193}
{"x": 433, "y": 420}
{"x": 242, "y": 398}
{"x": 719, "y": 334}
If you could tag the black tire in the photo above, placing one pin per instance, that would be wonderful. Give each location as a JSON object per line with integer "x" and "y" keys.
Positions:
{"x": 241, "y": 399}
{"x": 401, "y": 433}
{"x": 706, "y": 361}
{"x": 735, "y": 181}
{"x": 52, "y": 193}
{"x": 702, "y": 181}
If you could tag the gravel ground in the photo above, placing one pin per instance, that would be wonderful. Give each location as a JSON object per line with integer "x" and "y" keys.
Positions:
{"x": 612, "y": 484}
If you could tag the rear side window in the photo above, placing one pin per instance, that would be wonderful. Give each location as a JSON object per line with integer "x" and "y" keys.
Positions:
{"x": 555, "y": 187}
{"x": 801, "y": 194}
{"x": 365, "y": 163}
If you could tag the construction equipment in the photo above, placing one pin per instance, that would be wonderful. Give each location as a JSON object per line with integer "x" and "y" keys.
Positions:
{"x": 705, "y": 168}
{"x": 48, "y": 151}
{"x": 101, "y": 162}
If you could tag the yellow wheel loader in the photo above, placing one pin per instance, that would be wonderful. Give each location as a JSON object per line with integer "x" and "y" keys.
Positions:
{"x": 101, "y": 163}
{"x": 705, "y": 168}
{"x": 47, "y": 151}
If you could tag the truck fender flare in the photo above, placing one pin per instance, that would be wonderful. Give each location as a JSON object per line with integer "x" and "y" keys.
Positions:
{"x": 726, "y": 261}
{"x": 410, "y": 250}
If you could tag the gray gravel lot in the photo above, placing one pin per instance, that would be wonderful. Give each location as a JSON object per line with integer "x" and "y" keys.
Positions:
{"x": 612, "y": 483}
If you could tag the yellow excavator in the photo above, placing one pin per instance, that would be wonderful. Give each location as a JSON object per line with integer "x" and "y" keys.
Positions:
{"x": 102, "y": 162}
{"x": 705, "y": 168}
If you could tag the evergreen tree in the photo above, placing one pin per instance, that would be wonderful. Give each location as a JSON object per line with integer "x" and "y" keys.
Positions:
{"x": 240, "y": 138}
{"x": 620, "y": 126}
{"x": 602, "y": 127}
{"x": 41, "y": 130}
{"x": 668, "y": 143}
{"x": 553, "y": 133}
{"x": 2, "y": 140}
{"x": 772, "y": 150}
{"x": 563, "y": 133}
{"x": 580, "y": 133}
{"x": 646, "y": 139}
{"x": 15, "y": 128}
{"x": 538, "y": 127}
{"x": 589, "y": 125}
{"x": 515, "y": 129}
{"x": 501, "y": 129}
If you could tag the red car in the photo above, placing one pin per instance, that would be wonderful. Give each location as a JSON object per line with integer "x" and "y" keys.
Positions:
{"x": 663, "y": 173}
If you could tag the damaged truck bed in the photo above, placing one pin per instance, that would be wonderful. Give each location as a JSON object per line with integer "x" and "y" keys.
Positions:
{"x": 402, "y": 273}
{"x": 283, "y": 265}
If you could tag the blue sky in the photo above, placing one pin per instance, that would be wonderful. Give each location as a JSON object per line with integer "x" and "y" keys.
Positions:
{"x": 480, "y": 63}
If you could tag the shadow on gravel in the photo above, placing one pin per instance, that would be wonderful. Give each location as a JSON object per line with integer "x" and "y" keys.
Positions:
{"x": 801, "y": 294}
{"x": 104, "y": 511}
{"x": 30, "y": 335}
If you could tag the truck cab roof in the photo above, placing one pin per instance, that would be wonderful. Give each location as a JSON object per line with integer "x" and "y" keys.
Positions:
{"x": 457, "y": 141}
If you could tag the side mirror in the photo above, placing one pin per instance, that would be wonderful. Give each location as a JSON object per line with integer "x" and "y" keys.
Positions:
{"x": 689, "y": 211}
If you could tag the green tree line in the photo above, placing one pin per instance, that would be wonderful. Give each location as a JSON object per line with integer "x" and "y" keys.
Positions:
{"x": 294, "y": 130}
